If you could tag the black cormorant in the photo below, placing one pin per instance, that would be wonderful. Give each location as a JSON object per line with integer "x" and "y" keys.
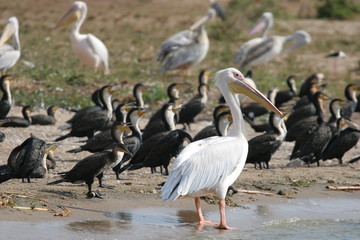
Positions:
{"x": 218, "y": 128}
{"x": 5, "y": 102}
{"x": 305, "y": 109}
{"x": 2, "y": 135}
{"x": 133, "y": 141}
{"x": 18, "y": 121}
{"x": 138, "y": 91}
{"x": 42, "y": 119}
{"x": 93, "y": 166}
{"x": 103, "y": 140}
{"x": 194, "y": 107}
{"x": 90, "y": 122}
{"x": 350, "y": 94}
{"x": 203, "y": 77}
{"x": 96, "y": 99}
{"x": 168, "y": 112}
{"x": 165, "y": 148}
{"x": 155, "y": 124}
{"x": 310, "y": 122}
{"x": 286, "y": 95}
{"x": 310, "y": 144}
{"x": 343, "y": 141}
{"x": 27, "y": 157}
{"x": 262, "y": 147}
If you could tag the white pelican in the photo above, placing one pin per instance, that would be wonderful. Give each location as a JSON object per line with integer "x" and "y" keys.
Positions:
{"x": 189, "y": 47}
{"x": 263, "y": 25}
{"x": 211, "y": 165}
{"x": 272, "y": 46}
{"x": 89, "y": 49}
{"x": 9, "y": 54}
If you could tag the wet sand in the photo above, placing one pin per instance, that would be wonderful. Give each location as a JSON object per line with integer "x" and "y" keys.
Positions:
{"x": 138, "y": 194}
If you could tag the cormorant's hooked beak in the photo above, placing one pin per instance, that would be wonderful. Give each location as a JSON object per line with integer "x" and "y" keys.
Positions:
{"x": 114, "y": 88}
{"x": 129, "y": 106}
{"x": 343, "y": 103}
{"x": 176, "y": 109}
{"x": 124, "y": 149}
{"x": 144, "y": 89}
{"x": 123, "y": 127}
{"x": 72, "y": 15}
{"x": 355, "y": 87}
{"x": 142, "y": 112}
{"x": 239, "y": 86}
{"x": 351, "y": 124}
{"x": 324, "y": 98}
{"x": 51, "y": 148}
{"x": 2, "y": 121}
{"x": 7, "y": 33}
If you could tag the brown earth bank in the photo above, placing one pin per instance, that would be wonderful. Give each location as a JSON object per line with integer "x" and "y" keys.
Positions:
{"x": 141, "y": 188}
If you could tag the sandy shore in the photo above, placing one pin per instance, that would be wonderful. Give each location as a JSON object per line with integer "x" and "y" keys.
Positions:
{"x": 140, "y": 188}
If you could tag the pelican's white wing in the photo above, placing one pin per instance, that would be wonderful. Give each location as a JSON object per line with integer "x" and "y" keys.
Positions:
{"x": 209, "y": 165}
{"x": 8, "y": 56}
{"x": 99, "y": 48}
{"x": 243, "y": 50}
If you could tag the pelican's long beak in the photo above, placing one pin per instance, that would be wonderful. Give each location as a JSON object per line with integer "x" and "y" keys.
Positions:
{"x": 7, "y": 33}
{"x": 199, "y": 22}
{"x": 72, "y": 15}
{"x": 301, "y": 38}
{"x": 244, "y": 88}
{"x": 259, "y": 26}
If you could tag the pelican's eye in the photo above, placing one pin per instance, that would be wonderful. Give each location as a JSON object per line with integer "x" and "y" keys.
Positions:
{"x": 237, "y": 75}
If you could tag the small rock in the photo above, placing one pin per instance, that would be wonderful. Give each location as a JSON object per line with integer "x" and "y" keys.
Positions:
{"x": 285, "y": 192}
{"x": 295, "y": 163}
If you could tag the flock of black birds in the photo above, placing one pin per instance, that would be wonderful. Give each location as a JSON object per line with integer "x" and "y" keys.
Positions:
{"x": 117, "y": 142}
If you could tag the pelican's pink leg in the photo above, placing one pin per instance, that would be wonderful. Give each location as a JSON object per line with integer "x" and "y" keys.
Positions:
{"x": 222, "y": 224}
{"x": 202, "y": 221}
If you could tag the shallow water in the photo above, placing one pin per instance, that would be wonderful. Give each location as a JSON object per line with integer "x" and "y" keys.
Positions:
{"x": 323, "y": 218}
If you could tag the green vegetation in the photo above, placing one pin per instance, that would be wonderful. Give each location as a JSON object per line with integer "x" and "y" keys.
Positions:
{"x": 338, "y": 9}
{"x": 301, "y": 183}
{"x": 133, "y": 32}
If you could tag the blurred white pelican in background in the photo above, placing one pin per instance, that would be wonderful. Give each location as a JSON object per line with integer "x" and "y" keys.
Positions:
{"x": 263, "y": 25}
{"x": 9, "y": 55}
{"x": 189, "y": 47}
{"x": 211, "y": 165}
{"x": 270, "y": 47}
{"x": 89, "y": 49}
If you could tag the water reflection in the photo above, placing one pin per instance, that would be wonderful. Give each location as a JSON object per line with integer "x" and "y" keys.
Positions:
{"x": 187, "y": 216}
{"x": 91, "y": 226}
{"x": 264, "y": 210}
{"x": 123, "y": 219}
{"x": 145, "y": 216}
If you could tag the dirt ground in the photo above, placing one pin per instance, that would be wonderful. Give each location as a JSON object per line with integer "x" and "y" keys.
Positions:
{"x": 140, "y": 188}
